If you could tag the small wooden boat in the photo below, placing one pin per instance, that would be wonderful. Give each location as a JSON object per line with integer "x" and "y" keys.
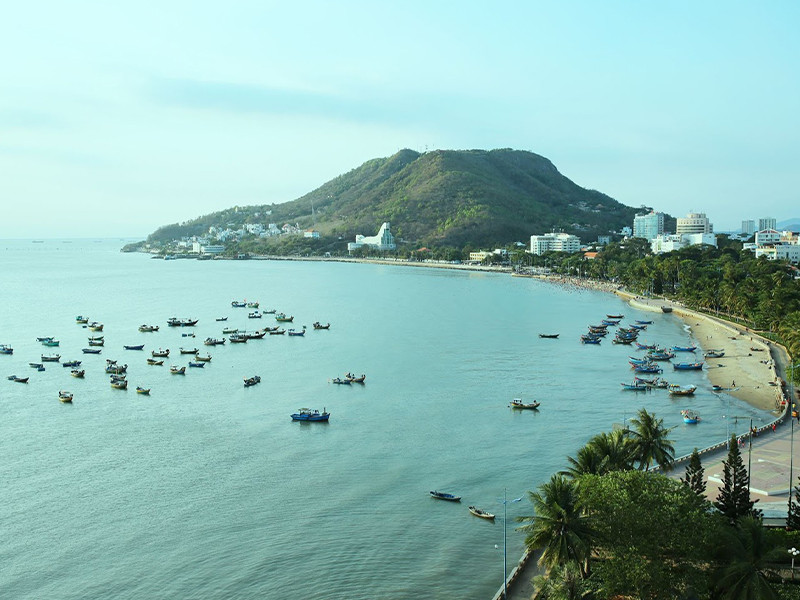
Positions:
{"x": 198, "y": 365}
{"x": 714, "y": 354}
{"x": 590, "y": 340}
{"x": 678, "y": 390}
{"x": 119, "y": 384}
{"x": 254, "y": 315}
{"x": 153, "y": 361}
{"x": 71, "y": 363}
{"x": 44, "y": 339}
{"x": 96, "y": 338}
{"x": 81, "y": 320}
{"x": 97, "y": 343}
{"x": 18, "y": 379}
{"x": 479, "y": 512}
{"x": 548, "y": 336}
{"x": 228, "y": 330}
{"x": 690, "y": 417}
{"x": 206, "y": 358}
{"x": 638, "y": 361}
{"x": 91, "y": 350}
{"x": 339, "y": 381}
{"x": 646, "y": 346}
{"x": 237, "y": 304}
{"x": 666, "y": 309}
{"x": 95, "y": 326}
{"x": 651, "y": 368}
{"x": 252, "y": 305}
{"x": 445, "y": 496}
{"x": 176, "y": 370}
{"x": 51, "y": 343}
{"x": 653, "y": 382}
{"x": 695, "y": 366}
{"x": 255, "y": 335}
{"x": 148, "y": 328}
{"x": 684, "y": 348}
{"x": 307, "y": 414}
{"x": 238, "y": 338}
{"x": 619, "y": 340}
{"x": 65, "y": 397}
{"x": 143, "y": 391}
{"x": 214, "y": 341}
{"x": 634, "y": 387}
{"x": 160, "y": 353}
{"x": 518, "y": 403}
{"x": 271, "y": 311}
{"x": 250, "y": 381}
{"x": 353, "y": 379}
{"x": 318, "y": 325}
{"x": 115, "y": 369}
{"x": 282, "y": 318}
{"x": 175, "y": 322}
{"x": 754, "y": 349}
{"x": 189, "y": 350}
{"x": 296, "y": 333}
{"x": 618, "y": 317}
{"x": 35, "y": 365}
{"x": 51, "y": 357}
{"x": 638, "y": 327}
{"x": 221, "y": 319}
{"x": 644, "y": 322}
{"x": 277, "y": 331}
{"x": 6, "y": 349}
{"x": 137, "y": 347}
{"x": 77, "y": 373}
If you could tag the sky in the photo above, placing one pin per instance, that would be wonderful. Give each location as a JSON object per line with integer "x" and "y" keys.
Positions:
{"x": 119, "y": 117}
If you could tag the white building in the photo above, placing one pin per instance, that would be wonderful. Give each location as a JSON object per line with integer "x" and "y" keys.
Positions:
{"x": 648, "y": 226}
{"x": 767, "y": 237}
{"x": 254, "y": 228}
{"x": 383, "y": 241}
{"x": 555, "y": 242}
{"x": 670, "y": 242}
{"x": 748, "y": 227}
{"x": 694, "y": 223}
{"x": 767, "y": 223}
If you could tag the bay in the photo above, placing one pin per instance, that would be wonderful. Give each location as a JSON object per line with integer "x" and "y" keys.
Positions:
{"x": 207, "y": 489}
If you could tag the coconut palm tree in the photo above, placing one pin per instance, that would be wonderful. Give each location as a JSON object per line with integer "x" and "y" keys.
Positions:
{"x": 603, "y": 453}
{"x": 650, "y": 442}
{"x": 744, "y": 555}
{"x": 562, "y": 583}
{"x": 559, "y": 526}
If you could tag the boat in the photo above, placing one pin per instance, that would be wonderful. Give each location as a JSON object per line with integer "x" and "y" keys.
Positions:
{"x": 6, "y": 349}
{"x": 91, "y": 350}
{"x": 639, "y": 327}
{"x": 296, "y": 333}
{"x": 114, "y": 369}
{"x": 160, "y": 353}
{"x": 622, "y": 340}
{"x": 148, "y": 328}
{"x": 445, "y": 496}
{"x": 690, "y": 417}
{"x": 214, "y": 341}
{"x": 137, "y": 347}
{"x": 71, "y": 363}
{"x": 35, "y": 365}
{"x": 610, "y": 321}
{"x": 95, "y": 326}
{"x": 97, "y": 343}
{"x": 651, "y": 368}
{"x": 644, "y": 322}
{"x": 175, "y": 322}
{"x": 250, "y": 381}
{"x": 549, "y": 336}
{"x": 119, "y": 384}
{"x": 228, "y": 330}
{"x": 590, "y": 340}
{"x": 638, "y": 361}
{"x": 153, "y": 361}
{"x": 318, "y": 325}
{"x": 237, "y": 304}
{"x": 754, "y": 349}
{"x": 206, "y": 358}
{"x": 176, "y": 370}
{"x": 255, "y": 335}
{"x": 646, "y": 346}
{"x": 96, "y": 338}
{"x": 277, "y": 331}
{"x": 143, "y": 391}
{"x": 189, "y": 351}
{"x": 479, "y": 512}
{"x": 660, "y": 356}
{"x": 353, "y": 379}
{"x": 238, "y": 338}
{"x": 653, "y": 382}
{"x": 44, "y": 339}
{"x": 695, "y": 366}
{"x": 254, "y": 315}
{"x": 518, "y": 403}
{"x": 51, "y": 357}
{"x": 199, "y": 365}
{"x": 65, "y": 397}
{"x": 684, "y": 348}
{"x": 678, "y": 390}
{"x": 282, "y": 318}
{"x": 81, "y": 320}
{"x": 339, "y": 381}
{"x": 307, "y": 414}
{"x": 714, "y": 354}
{"x": 252, "y": 305}
{"x": 634, "y": 387}
{"x": 615, "y": 317}
{"x": 77, "y": 373}
{"x": 271, "y": 311}
{"x": 666, "y": 309}
{"x": 18, "y": 379}
{"x": 51, "y": 343}
{"x": 221, "y": 319}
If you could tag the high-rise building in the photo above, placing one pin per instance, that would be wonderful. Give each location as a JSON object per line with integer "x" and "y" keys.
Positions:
{"x": 694, "y": 223}
{"x": 749, "y": 227}
{"x": 767, "y": 223}
{"x": 557, "y": 242}
{"x": 648, "y": 226}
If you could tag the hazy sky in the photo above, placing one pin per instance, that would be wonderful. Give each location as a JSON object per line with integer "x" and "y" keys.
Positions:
{"x": 118, "y": 117}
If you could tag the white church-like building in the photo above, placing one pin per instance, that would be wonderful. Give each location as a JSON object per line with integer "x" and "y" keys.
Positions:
{"x": 383, "y": 241}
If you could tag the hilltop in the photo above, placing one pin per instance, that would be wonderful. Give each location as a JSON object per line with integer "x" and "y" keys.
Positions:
{"x": 441, "y": 198}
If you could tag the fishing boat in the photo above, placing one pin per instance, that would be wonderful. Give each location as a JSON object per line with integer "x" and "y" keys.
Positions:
{"x": 282, "y": 318}
{"x": 666, "y": 309}
{"x": 51, "y": 357}
{"x": 91, "y": 350}
{"x": 695, "y": 366}
{"x": 445, "y": 496}
{"x": 176, "y": 370}
{"x": 639, "y": 327}
{"x": 651, "y": 368}
{"x": 237, "y": 304}
{"x": 549, "y": 336}
{"x": 252, "y": 305}
{"x": 44, "y": 339}
{"x": 646, "y": 346}
{"x": 296, "y": 333}
{"x": 71, "y": 363}
{"x": 18, "y": 379}
{"x": 660, "y": 355}
{"x": 277, "y": 331}
{"x": 678, "y": 390}
{"x": 254, "y": 335}
{"x": 690, "y": 417}
{"x": 634, "y": 387}
{"x": 618, "y": 317}
{"x": 160, "y": 353}
{"x": 51, "y": 343}
{"x": 250, "y": 381}
{"x": 638, "y": 361}
{"x": 206, "y": 358}
{"x": 590, "y": 340}
{"x": 137, "y": 347}
{"x": 36, "y": 365}
{"x": 479, "y": 512}
{"x": 644, "y": 322}
{"x": 119, "y": 384}
{"x": 354, "y": 379}
{"x": 221, "y": 319}
{"x": 684, "y": 348}
{"x": 254, "y": 315}
{"x": 96, "y": 338}
{"x": 238, "y": 338}
{"x": 176, "y": 322}
{"x": 95, "y": 326}
{"x": 187, "y": 335}
{"x": 307, "y": 414}
{"x": 214, "y": 341}
{"x": 609, "y": 322}
{"x": 97, "y": 343}
{"x": 153, "y": 361}
{"x": 143, "y": 391}
{"x": 78, "y": 373}
{"x": 81, "y": 320}
{"x": 339, "y": 381}
{"x": 653, "y": 382}
{"x": 714, "y": 354}
{"x": 518, "y": 403}
{"x": 114, "y": 369}
{"x": 148, "y": 328}
{"x": 65, "y": 397}
{"x": 318, "y": 325}
{"x": 189, "y": 350}
{"x": 198, "y": 365}
{"x": 622, "y": 340}
{"x": 6, "y": 349}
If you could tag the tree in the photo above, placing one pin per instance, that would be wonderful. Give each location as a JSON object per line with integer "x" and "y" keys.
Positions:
{"x": 744, "y": 554}
{"x": 603, "y": 453}
{"x": 559, "y": 526}
{"x": 734, "y": 500}
{"x": 793, "y": 519}
{"x": 562, "y": 583}
{"x": 695, "y": 475}
{"x": 650, "y": 442}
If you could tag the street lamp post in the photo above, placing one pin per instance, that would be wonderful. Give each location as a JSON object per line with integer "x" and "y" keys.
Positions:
{"x": 794, "y": 552}
{"x": 505, "y": 547}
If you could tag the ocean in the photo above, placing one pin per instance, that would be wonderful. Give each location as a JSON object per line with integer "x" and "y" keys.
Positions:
{"x": 207, "y": 489}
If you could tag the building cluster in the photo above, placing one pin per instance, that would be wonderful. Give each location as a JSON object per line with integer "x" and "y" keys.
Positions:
{"x": 692, "y": 230}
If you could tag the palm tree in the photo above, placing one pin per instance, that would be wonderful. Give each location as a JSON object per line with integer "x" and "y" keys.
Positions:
{"x": 603, "y": 453}
{"x": 650, "y": 442}
{"x": 562, "y": 583}
{"x": 744, "y": 554}
{"x": 559, "y": 527}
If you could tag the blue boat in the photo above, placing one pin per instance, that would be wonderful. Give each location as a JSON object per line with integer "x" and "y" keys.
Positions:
{"x": 644, "y": 322}
{"x": 639, "y": 327}
{"x": 660, "y": 355}
{"x": 646, "y": 346}
{"x": 91, "y": 350}
{"x": 590, "y": 340}
{"x": 684, "y": 348}
{"x": 648, "y": 369}
{"x": 638, "y": 361}
{"x": 690, "y": 417}
{"x": 197, "y": 364}
{"x": 306, "y": 414}
{"x": 695, "y": 366}
{"x": 634, "y": 387}
{"x": 138, "y": 347}
{"x": 609, "y": 322}
{"x": 71, "y": 363}
{"x": 445, "y": 496}
{"x": 6, "y": 349}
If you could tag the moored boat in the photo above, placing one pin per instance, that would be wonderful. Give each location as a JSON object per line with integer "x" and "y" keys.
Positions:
{"x": 71, "y": 363}
{"x": 282, "y": 318}
{"x": 250, "y": 381}
{"x": 684, "y": 348}
{"x": 206, "y": 358}
{"x": 277, "y": 331}
{"x": 221, "y": 319}
{"x": 189, "y": 350}
{"x": 296, "y": 333}
{"x": 148, "y": 328}
{"x": 695, "y": 366}
{"x": 176, "y": 322}
{"x": 354, "y": 379}
{"x": 634, "y": 387}
{"x": 81, "y": 320}
{"x": 307, "y": 414}
{"x": 91, "y": 350}
{"x": 252, "y": 305}
{"x": 6, "y": 349}
{"x": 549, "y": 336}
{"x": 618, "y": 317}
{"x": 518, "y": 403}
{"x": 143, "y": 391}
{"x": 65, "y": 397}
{"x": 479, "y": 512}
{"x": 666, "y": 309}
{"x": 644, "y": 322}
{"x": 160, "y": 353}
{"x": 238, "y": 338}
{"x": 36, "y": 365}
{"x": 214, "y": 341}
{"x": 237, "y": 304}
{"x": 445, "y": 496}
{"x": 51, "y": 358}
{"x": 176, "y": 370}
{"x": 136, "y": 347}
{"x": 228, "y": 330}
{"x": 153, "y": 361}
{"x": 51, "y": 343}
{"x": 95, "y": 326}
{"x": 254, "y": 335}
{"x": 690, "y": 417}
{"x": 198, "y": 365}
{"x": 18, "y": 379}
{"x": 340, "y": 381}
{"x": 714, "y": 354}
{"x": 318, "y": 325}
{"x": 119, "y": 384}
{"x": 678, "y": 390}
{"x": 78, "y": 373}
{"x": 254, "y": 315}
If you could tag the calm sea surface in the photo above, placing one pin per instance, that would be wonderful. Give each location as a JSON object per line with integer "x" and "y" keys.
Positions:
{"x": 206, "y": 489}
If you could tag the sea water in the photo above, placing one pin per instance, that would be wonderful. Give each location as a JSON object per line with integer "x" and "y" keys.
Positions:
{"x": 207, "y": 489}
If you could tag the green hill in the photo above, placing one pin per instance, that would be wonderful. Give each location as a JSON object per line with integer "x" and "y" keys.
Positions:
{"x": 440, "y": 198}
